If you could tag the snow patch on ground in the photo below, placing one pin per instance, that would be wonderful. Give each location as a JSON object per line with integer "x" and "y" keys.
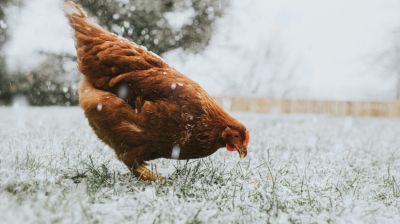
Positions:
{"x": 300, "y": 168}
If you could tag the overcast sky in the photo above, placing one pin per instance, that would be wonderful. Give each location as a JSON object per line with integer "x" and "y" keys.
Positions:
{"x": 329, "y": 46}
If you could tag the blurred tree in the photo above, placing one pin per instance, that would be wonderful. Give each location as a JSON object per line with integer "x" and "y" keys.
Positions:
{"x": 160, "y": 25}
{"x": 148, "y": 22}
{"x": 5, "y": 96}
{"x": 3, "y": 31}
{"x": 51, "y": 83}
{"x": 3, "y": 23}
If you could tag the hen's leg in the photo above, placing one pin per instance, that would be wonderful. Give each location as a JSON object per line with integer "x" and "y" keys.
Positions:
{"x": 143, "y": 173}
{"x": 139, "y": 169}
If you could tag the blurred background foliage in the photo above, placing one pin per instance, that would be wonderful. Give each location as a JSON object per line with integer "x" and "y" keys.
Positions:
{"x": 3, "y": 35}
{"x": 148, "y": 23}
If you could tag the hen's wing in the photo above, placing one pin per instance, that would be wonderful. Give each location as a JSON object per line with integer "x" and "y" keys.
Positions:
{"x": 159, "y": 84}
{"x": 103, "y": 55}
{"x": 117, "y": 124}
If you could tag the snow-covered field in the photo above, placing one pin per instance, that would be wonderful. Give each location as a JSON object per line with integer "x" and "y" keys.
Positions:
{"x": 300, "y": 169}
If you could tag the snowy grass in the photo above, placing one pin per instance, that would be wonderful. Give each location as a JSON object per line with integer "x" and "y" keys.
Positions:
{"x": 300, "y": 169}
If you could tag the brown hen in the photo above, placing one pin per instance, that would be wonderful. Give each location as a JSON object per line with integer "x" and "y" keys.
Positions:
{"x": 141, "y": 107}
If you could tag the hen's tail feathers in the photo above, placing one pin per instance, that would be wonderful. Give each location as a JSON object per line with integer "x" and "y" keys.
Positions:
{"x": 80, "y": 24}
{"x": 72, "y": 9}
{"x": 100, "y": 53}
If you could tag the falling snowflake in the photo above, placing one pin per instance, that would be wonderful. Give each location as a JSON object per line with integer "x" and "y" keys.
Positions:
{"x": 180, "y": 84}
{"x": 65, "y": 89}
{"x": 176, "y": 151}
{"x": 123, "y": 92}
{"x": 99, "y": 107}
{"x": 173, "y": 86}
{"x": 3, "y": 25}
{"x": 116, "y": 16}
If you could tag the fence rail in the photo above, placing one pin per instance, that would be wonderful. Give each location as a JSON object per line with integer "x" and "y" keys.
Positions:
{"x": 277, "y": 106}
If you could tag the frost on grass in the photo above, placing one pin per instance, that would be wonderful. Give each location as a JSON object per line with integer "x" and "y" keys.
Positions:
{"x": 300, "y": 169}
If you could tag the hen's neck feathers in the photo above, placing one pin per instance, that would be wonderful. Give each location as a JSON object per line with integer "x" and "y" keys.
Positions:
{"x": 219, "y": 117}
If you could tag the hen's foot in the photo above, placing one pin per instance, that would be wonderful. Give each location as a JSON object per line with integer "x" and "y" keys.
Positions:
{"x": 143, "y": 173}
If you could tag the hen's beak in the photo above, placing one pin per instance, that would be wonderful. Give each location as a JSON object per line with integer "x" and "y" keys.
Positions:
{"x": 242, "y": 150}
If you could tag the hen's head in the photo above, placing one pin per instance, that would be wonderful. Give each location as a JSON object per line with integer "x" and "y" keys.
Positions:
{"x": 236, "y": 139}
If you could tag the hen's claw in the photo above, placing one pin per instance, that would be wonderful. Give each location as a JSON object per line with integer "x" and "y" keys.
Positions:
{"x": 143, "y": 173}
